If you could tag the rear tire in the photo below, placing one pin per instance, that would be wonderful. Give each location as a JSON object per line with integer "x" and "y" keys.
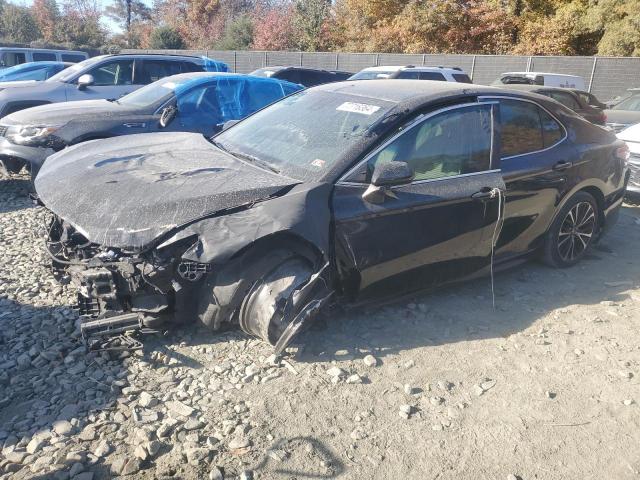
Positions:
{"x": 573, "y": 232}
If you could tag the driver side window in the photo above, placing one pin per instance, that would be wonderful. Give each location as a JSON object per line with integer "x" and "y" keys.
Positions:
{"x": 454, "y": 142}
{"x": 119, "y": 72}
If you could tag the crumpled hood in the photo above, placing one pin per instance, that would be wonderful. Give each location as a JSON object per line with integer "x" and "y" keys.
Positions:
{"x": 126, "y": 192}
{"x": 61, "y": 113}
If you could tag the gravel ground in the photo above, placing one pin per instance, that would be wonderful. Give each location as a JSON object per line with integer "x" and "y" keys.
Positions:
{"x": 444, "y": 386}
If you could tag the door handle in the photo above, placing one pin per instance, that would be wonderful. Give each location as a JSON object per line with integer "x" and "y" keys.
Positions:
{"x": 560, "y": 166}
{"x": 483, "y": 195}
{"x": 134, "y": 125}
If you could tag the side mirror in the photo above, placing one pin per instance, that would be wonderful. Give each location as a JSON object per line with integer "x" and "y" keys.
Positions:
{"x": 85, "y": 81}
{"x": 167, "y": 115}
{"x": 392, "y": 173}
{"x": 387, "y": 175}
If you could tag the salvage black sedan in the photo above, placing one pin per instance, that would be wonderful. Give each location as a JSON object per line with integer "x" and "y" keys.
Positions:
{"x": 346, "y": 192}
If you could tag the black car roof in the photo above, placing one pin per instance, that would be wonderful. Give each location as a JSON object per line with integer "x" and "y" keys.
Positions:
{"x": 279, "y": 68}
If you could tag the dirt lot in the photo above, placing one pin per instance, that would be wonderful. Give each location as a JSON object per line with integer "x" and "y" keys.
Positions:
{"x": 543, "y": 387}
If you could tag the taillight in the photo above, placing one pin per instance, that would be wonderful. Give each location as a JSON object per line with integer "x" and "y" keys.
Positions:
{"x": 623, "y": 153}
{"x": 603, "y": 117}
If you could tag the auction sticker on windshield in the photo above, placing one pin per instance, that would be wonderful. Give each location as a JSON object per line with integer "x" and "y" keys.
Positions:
{"x": 363, "y": 108}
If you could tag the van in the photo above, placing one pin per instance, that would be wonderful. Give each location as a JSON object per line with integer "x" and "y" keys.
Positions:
{"x": 540, "y": 78}
{"x": 10, "y": 56}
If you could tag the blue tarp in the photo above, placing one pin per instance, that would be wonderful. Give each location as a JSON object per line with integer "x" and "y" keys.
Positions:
{"x": 211, "y": 65}
{"x": 31, "y": 71}
{"x": 214, "y": 100}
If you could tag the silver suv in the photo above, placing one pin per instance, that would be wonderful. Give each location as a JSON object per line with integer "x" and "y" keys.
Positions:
{"x": 411, "y": 72}
{"x": 103, "y": 77}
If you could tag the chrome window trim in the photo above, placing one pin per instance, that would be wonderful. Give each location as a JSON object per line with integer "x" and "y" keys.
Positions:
{"x": 488, "y": 98}
{"x": 419, "y": 119}
{"x": 420, "y": 182}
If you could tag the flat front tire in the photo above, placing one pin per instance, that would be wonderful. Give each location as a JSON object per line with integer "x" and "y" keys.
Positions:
{"x": 573, "y": 231}
{"x": 251, "y": 290}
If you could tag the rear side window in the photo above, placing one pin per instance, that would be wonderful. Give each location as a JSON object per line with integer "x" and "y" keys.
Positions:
{"x": 432, "y": 76}
{"x": 149, "y": 71}
{"x": 526, "y": 128}
{"x": 72, "y": 57}
{"x": 44, "y": 57}
{"x": 11, "y": 59}
{"x": 190, "y": 67}
{"x": 435, "y": 149}
{"x": 409, "y": 75}
{"x": 462, "y": 78}
{"x": 552, "y": 132}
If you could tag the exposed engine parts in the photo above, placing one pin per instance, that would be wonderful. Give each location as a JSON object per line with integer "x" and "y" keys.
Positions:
{"x": 124, "y": 292}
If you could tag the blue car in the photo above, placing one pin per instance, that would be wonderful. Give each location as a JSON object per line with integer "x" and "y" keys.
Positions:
{"x": 199, "y": 102}
{"x": 33, "y": 71}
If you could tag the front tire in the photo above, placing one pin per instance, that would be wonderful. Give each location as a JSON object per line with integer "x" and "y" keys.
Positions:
{"x": 573, "y": 231}
{"x": 252, "y": 291}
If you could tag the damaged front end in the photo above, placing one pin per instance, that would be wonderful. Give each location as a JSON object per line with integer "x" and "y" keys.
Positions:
{"x": 119, "y": 291}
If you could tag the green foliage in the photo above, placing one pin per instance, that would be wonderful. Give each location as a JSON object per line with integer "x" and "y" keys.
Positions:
{"x": 165, "y": 38}
{"x": 309, "y": 20}
{"x": 17, "y": 24}
{"x": 238, "y": 34}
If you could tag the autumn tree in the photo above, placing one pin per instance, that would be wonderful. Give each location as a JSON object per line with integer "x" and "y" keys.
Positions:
{"x": 47, "y": 15}
{"x": 80, "y": 24}
{"x": 128, "y": 13}
{"x": 273, "y": 27}
{"x": 310, "y": 19}
{"x": 238, "y": 34}
{"x": 18, "y": 24}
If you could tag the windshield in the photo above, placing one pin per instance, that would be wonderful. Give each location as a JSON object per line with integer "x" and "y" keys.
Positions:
{"x": 25, "y": 71}
{"x": 70, "y": 72}
{"x": 371, "y": 75}
{"x": 630, "y": 103}
{"x": 304, "y": 135}
{"x": 153, "y": 93}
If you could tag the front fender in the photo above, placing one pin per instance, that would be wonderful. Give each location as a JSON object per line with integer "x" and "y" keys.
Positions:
{"x": 302, "y": 212}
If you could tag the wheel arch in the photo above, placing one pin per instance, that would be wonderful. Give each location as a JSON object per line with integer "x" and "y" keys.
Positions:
{"x": 591, "y": 187}
{"x": 289, "y": 240}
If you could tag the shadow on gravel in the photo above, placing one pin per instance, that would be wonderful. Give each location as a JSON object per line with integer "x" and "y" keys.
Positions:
{"x": 50, "y": 389}
{"x": 14, "y": 193}
{"x": 323, "y": 453}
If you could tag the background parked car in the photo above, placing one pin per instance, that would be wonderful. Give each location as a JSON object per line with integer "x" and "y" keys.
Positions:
{"x": 541, "y": 78}
{"x": 631, "y": 135}
{"x": 410, "y": 72}
{"x": 625, "y": 113}
{"x": 190, "y": 102}
{"x": 309, "y": 77}
{"x": 10, "y": 56}
{"x": 589, "y": 98}
{"x": 107, "y": 76}
{"x": 569, "y": 98}
{"x": 31, "y": 72}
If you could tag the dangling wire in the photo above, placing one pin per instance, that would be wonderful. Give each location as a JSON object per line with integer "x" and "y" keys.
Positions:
{"x": 496, "y": 192}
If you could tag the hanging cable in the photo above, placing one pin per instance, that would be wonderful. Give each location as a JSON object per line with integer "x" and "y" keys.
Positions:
{"x": 496, "y": 192}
